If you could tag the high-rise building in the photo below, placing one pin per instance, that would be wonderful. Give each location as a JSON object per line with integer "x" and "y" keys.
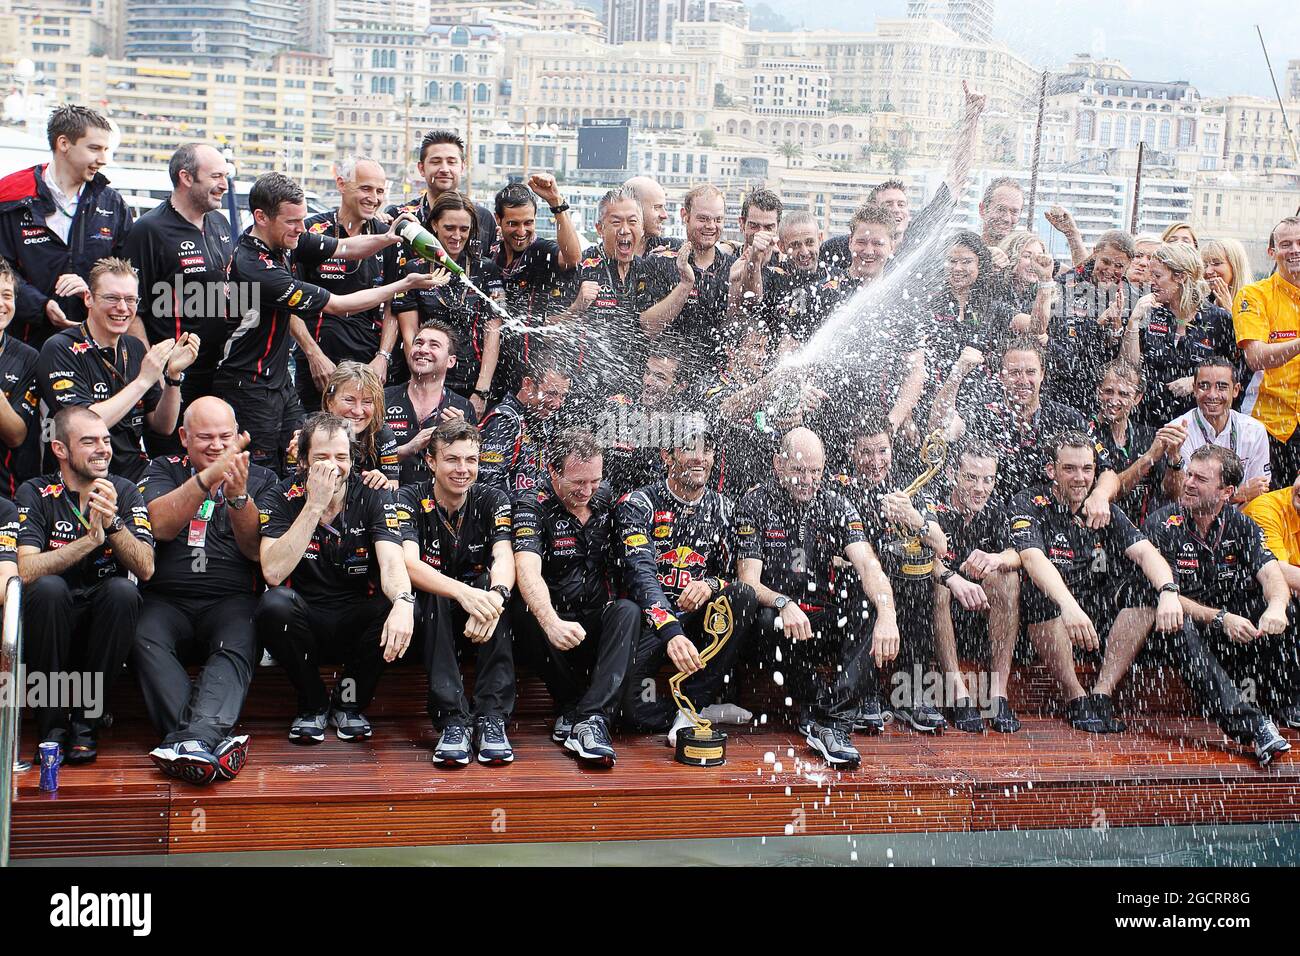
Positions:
{"x": 212, "y": 33}
{"x": 970, "y": 19}
{"x": 639, "y": 21}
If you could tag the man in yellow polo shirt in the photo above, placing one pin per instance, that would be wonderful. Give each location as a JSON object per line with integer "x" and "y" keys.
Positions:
{"x": 1267, "y": 320}
{"x": 1278, "y": 516}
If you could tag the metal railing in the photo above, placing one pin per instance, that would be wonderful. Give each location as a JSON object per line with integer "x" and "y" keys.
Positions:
{"x": 11, "y": 702}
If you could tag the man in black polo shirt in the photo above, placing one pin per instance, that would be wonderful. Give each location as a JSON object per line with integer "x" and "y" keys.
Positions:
{"x": 536, "y": 271}
{"x": 790, "y": 532}
{"x": 632, "y": 429}
{"x": 253, "y": 375}
{"x": 99, "y": 366}
{"x": 1072, "y": 573}
{"x": 698, "y": 325}
{"x": 415, "y": 409}
{"x": 200, "y": 602}
{"x": 678, "y": 552}
{"x": 81, "y": 531}
{"x": 653, "y": 202}
{"x": 364, "y": 335}
{"x": 1022, "y": 425}
{"x": 1239, "y": 636}
{"x": 442, "y": 164}
{"x": 19, "y": 443}
{"x": 181, "y": 249}
{"x": 622, "y": 300}
{"x": 978, "y": 588}
{"x": 331, "y": 552}
{"x": 799, "y": 292}
{"x": 456, "y": 540}
{"x": 518, "y": 430}
{"x": 567, "y": 620}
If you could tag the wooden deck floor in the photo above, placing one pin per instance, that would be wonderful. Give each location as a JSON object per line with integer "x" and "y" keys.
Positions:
{"x": 386, "y": 791}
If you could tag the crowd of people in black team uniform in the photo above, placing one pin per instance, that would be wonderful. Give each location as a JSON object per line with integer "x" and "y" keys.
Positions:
{"x": 305, "y": 446}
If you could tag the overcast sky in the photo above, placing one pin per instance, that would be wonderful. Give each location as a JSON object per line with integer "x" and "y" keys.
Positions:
{"x": 1211, "y": 44}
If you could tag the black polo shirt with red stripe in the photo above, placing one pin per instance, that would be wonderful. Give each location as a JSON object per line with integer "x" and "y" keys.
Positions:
{"x": 258, "y": 349}
{"x": 18, "y": 382}
{"x": 399, "y": 416}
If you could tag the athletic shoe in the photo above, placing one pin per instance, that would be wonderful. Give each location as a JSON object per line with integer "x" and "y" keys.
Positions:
{"x": 82, "y": 747}
{"x": 1269, "y": 743}
{"x": 966, "y": 717}
{"x": 871, "y": 718}
{"x": 453, "y": 748}
{"x": 1104, "y": 707}
{"x": 350, "y": 726}
{"x": 267, "y": 660}
{"x": 680, "y": 722}
{"x": 834, "y": 746}
{"x": 732, "y": 714}
{"x": 186, "y": 760}
{"x": 563, "y": 727}
{"x": 589, "y": 741}
{"x": 491, "y": 742}
{"x": 309, "y": 728}
{"x": 922, "y": 717}
{"x": 231, "y": 754}
{"x": 1290, "y": 716}
{"x": 1005, "y": 721}
{"x": 1082, "y": 715}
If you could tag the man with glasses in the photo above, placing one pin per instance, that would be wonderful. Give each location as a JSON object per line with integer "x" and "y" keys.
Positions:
{"x": 1213, "y": 422}
{"x": 99, "y": 366}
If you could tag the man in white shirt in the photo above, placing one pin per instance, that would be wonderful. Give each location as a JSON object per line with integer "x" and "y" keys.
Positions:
{"x": 1213, "y": 422}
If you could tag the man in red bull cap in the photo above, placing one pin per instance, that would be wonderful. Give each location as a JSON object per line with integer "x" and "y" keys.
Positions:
{"x": 678, "y": 555}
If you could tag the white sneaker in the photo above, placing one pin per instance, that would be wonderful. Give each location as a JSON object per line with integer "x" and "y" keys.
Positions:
{"x": 267, "y": 660}
{"x": 681, "y": 722}
{"x": 732, "y": 714}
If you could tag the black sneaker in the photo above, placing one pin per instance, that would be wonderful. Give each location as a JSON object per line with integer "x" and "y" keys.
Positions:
{"x": 231, "y": 754}
{"x": 966, "y": 717}
{"x": 922, "y": 717}
{"x": 1081, "y": 715}
{"x": 1005, "y": 721}
{"x": 309, "y": 728}
{"x": 1290, "y": 716}
{"x": 1104, "y": 707}
{"x": 1269, "y": 743}
{"x": 348, "y": 725}
{"x": 589, "y": 742}
{"x": 871, "y": 717}
{"x": 453, "y": 748}
{"x": 186, "y": 760}
{"x": 834, "y": 746}
{"x": 82, "y": 746}
{"x": 491, "y": 742}
{"x": 563, "y": 727}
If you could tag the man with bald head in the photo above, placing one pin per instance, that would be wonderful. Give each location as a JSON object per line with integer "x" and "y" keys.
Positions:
{"x": 198, "y": 607}
{"x": 369, "y": 335}
{"x": 180, "y": 249}
{"x": 793, "y": 539}
{"x": 654, "y": 215}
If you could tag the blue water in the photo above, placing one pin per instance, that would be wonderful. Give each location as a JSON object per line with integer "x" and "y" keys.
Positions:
{"x": 1202, "y": 846}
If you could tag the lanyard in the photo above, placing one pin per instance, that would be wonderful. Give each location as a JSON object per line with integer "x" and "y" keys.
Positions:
{"x": 94, "y": 347}
{"x": 78, "y": 512}
{"x": 1209, "y": 438}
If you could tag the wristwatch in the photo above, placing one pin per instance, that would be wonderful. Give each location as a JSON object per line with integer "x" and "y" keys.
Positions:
{"x": 1175, "y": 465}
{"x": 1170, "y": 588}
{"x": 116, "y": 525}
{"x": 503, "y": 591}
{"x": 1219, "y": 618}
{"x": 780, "y": 602}
{"x": 946, "y": 576}
{"x": 175, "y": 382}
{"x": 237, "y": 502}
{"x": 562, "y": 207}
{"x": 481, "y": 393}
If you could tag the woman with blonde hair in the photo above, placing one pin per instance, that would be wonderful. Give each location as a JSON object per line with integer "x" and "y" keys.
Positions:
{"x": 1027, "y": 282}
{"x": 354, "y": 393}
{"x": 1227, "y": 270}
{"x": 1173, "y": 329}
{"x": 1180, "y": 232}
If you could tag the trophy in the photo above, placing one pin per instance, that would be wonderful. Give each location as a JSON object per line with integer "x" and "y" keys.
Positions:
{"x": 914, "y": 560}
{"x": 700, "y": 745}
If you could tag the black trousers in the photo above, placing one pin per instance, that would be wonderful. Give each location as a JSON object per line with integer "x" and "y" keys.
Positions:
{"x": 494, "y": 667}
{"x": 220, "y": 634}
{"x": 587, "y": 680}
{"x": 83, "y": 631}
{"x": 648, "y": 711}
{"x": 1196, "y": 658}
{"x": 269, "y": 415}
{"x": 300, "y": 635}
{"x": 843, "y": 648}
{"x": 1285, "y": 459}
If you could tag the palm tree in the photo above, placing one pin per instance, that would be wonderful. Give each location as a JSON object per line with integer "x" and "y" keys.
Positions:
{"x": 896, "y": 158}
{"x": 791, "y": 151}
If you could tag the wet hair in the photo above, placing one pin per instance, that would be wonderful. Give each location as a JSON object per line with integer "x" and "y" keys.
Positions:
{"x": 879, "y": 188}
{"x": 702, "y": 191}
{"x": 617, "y": 194}
{"x": 1231, "y": 470}
{"x": 1122, "y": 368}
{"x": 324, "y": 424}
{"x": 450, "y": 201}
{"x": 764, "y": 199}
{"x": 111, "y": 266}
{"x": 545, "y": 359}
{"x": 978, "y": 449}
{"x": 270, "y": 190}
{"x": 973, "y": 242}
{"x": 1024, "y": 343}
{"x": 514, "y": 195}
{"x": 574, "y": 441}
{"x": 1287, "y": 221}
{"x": 800, "y": 217}
{"x": 998, "y": 183}
{"x": 440, "y": 137}
{"x": 870, "y": 426}
{"x": 73, "y": 121}
{"x": 1216, "y": 361}
{"x": 439, "y": 326}
{"x": 1183, "y": 259}
{"x": 448, "y": 433}
{"x": 1072, "y": 439}
{"x": 1014, "y": 245}
{"x": 874, "y": 215}
{"x": 364, "y": 379}
{"x": 1116, "y": 239}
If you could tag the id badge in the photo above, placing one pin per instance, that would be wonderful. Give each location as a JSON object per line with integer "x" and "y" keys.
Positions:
{"x": 198, "y": 533}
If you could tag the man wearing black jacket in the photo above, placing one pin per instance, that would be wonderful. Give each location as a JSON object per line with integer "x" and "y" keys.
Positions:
{"x": 57, "y": 219}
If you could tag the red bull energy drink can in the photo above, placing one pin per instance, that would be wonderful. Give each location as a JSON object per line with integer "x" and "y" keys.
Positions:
{"x": 50, "y": 755}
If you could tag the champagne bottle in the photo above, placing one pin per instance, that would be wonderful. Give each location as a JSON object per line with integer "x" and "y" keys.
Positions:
{"x": 426, "y": 245}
